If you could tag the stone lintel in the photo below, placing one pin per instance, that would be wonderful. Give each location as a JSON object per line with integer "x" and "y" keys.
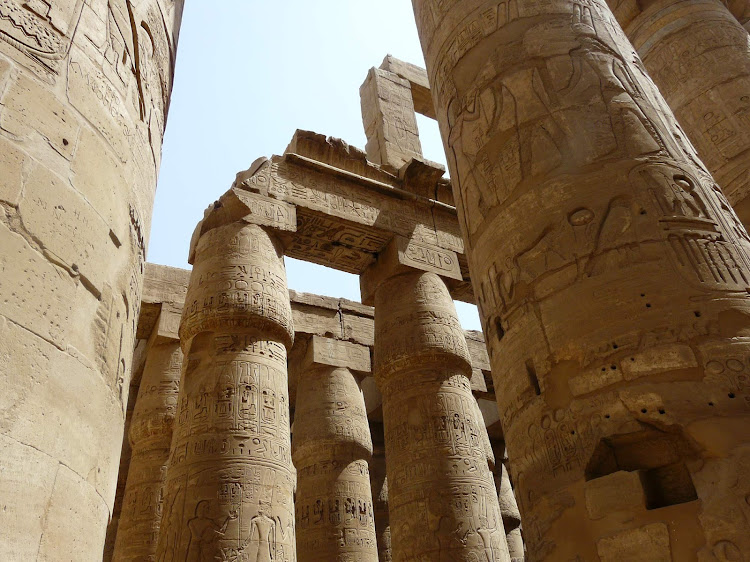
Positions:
{"x": 167, "y": 326}
{"x": 337, "y": 353}
{"x": 402, "y": 255}
{"x": 417, "y": 78}
{"x": 421, "y": 177}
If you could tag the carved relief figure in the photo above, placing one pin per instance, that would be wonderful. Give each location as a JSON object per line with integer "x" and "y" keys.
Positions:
{"x": 204, "y": 531}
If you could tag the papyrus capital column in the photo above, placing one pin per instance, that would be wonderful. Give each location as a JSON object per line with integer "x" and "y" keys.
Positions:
{"x": 150, "y": 437}
{"x": 441, "y": 495}
{"x": 697, "y": 54}
{"x": 331, "y": 450}
{"x": 230, "y": 482}
{"x": 612, "y": 279}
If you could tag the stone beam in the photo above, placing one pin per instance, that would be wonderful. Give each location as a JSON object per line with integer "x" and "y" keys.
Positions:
{"x": 349, "y": 209}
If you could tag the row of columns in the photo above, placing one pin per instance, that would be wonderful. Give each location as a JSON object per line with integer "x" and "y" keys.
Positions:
{"x": 213, "y": 470}
{"x": 637, "y": 204}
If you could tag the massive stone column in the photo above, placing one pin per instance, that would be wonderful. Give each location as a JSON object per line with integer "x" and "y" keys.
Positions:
{"x": 697, "y": 54}
{"x": 441, "y": 494}
{"x": 612, "y": 279}
{"x": 379, "y": 484}
{"x": 331, "y": 450}
{"x": 84, "y": 91}
{"x": 150, "y": 435}
{"x": 230, "y": 481}
{"x": 509, "y": 512}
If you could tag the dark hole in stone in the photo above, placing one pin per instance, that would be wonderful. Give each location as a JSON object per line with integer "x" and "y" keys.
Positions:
{"x": 648, "y": 305}
{"x": 499, "y": 329}
{"x": 533, "y": 380}
{"x": 731, "y": 395}
{"x": 710, "y": 403}
{"x": 65, "y": 142}
{"x": 697, "y": 313}
{"x": 643, "y": 410}
{"x": 668, "y": 485}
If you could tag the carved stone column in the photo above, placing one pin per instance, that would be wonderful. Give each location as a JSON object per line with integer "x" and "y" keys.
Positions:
{"x": 612, "y": 280}
{"x": 84, "y": 92}
{"x": 510, "y": 514}
{"x": 230, "y": 482}
{"x": 379, "y": 483}
{"x": 331, "y": 450}
{"x": 441, "y": 494}
{"x": 697, "y": 54}
{"x": 150, "y": 438}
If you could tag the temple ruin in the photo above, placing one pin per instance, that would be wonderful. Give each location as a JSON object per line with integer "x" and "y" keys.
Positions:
{"x": 596, "y": 214}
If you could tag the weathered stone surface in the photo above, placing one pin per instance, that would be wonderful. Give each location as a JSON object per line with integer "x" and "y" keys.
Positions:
{"x": 442, "y": 498}
{"x": 230, "y": 482}
{"x": 84, "y": 90}
{"x": 610, "y": 272}
{"x": 349, "y": 209}
{"x": 697, "y": 54}
{"x": 389, "y": 119}
{"x": 150, "y": 435}
{"x": 650, "y": 542}
{"x": 331, "y": 450}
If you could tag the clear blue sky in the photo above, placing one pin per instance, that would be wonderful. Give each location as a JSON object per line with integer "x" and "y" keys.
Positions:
{"x": 250, "y": 72}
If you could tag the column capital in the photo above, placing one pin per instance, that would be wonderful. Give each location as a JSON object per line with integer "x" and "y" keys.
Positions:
{"x": 404, "y": 255}
{"x": 244, "y": 203}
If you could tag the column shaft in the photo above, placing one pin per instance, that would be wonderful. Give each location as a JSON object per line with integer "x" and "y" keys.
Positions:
{"x": 697, "y": 54}
{"x": 84, "y": 92}
{"x": 150, "y": 438}
{"x": 442, "y": 498}
{"x": 612, "y": 281}
{"x": 331, "y": 450}
{"x": 379, "y": 483}
{"x": 230, "y": 482}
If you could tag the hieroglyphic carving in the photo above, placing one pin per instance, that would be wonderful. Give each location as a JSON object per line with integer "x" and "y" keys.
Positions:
{"x": 331, "y": 450}
{"x": 230, "y": 481}
{"x": 150, "y": 436}
{"x": 701, "y": 67}
{"x": 601, "y": 250}
{"x": 442, "y": 498}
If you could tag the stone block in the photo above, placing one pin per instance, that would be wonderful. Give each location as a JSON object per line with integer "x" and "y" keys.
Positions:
{"x": 29, "y": 109}
{"x": 67, "y": 227}
{"x": 670, "y": 357}
{"x": 650, "y": 542}
{"x": 12, "y": 161}
{"x": 403, "y": 254}
{"x": 619, "y": 491}
{"x": 337, "y": 353}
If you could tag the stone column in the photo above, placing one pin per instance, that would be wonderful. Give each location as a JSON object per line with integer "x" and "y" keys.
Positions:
{"x": 331, "y": 450}
{"x": 84, "y": 91}
{"x": 230, "y": 482}
{"x": 441, "y": 495}
{"x": 379, "y": 483}
{"x": 150, "y": 437}
{"x": 697, "y": 54}
{"x": 510, "y": 514}
{"x": 612, "y": 280}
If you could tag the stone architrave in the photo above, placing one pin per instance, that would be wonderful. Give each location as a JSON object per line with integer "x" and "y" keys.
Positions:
{"x": 441, "y": 495}
{"x": 331, "y": 449}
{"x": 84, "y": 92}
{"x": 611, "y": 275}
{"x": 379, "y": 483}
{"x": 150, "y": 436}
{"x": 230, "y": 481}
{"x": 389, "y": 119}
{"x": 697, "y": 54}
